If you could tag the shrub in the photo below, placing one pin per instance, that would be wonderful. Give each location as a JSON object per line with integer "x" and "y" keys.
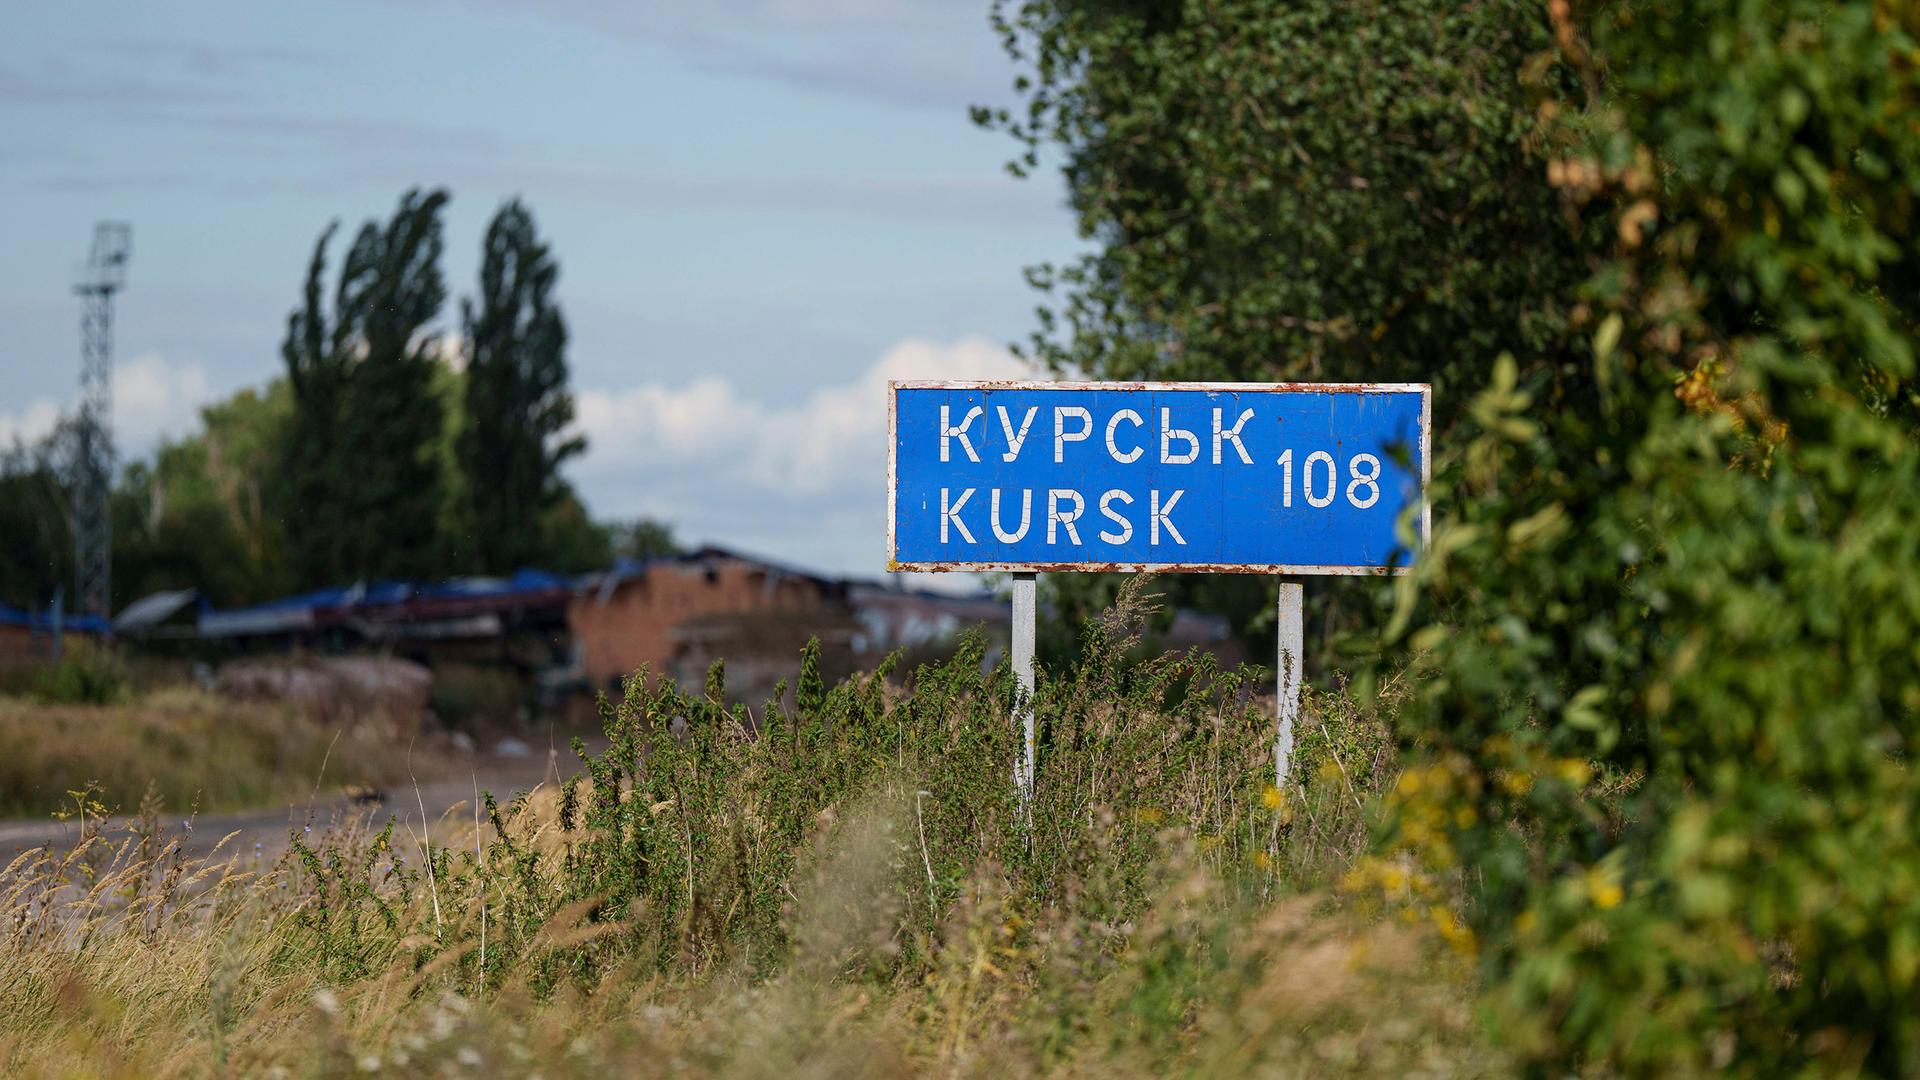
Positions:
{"x": 706, "y": 826}
{"x": 1666, "y": 627}
{"x": 87, "y": 674}
{"x": 190, "y": 749}
{"x": 467, "y": 696}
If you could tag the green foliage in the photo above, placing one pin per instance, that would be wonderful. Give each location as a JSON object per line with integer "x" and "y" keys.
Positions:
{"x": 1068, "y": 601}
{"x": 643, "y": 539}
{"x": 1665, "y": 632}
{"x": 205, "y": 513}
{"x": 367, "y": 482}
{"x": 371, "y": 458}
{"x": 517, "y": 404}
{"x": 465, "y": 697}
{"x": 407, "y": 467}
{"x": 86, "y": 724}
{"x": 1322, "y": 190}
{"x": 318, "y": 366}
{"x": 1667, "y": 623}
{"x": 1289, "y": 191}
{"x": 38, "y": 554}
{"x": 692, "y": 833}
{"x": 373, "y": 948}
{"x": 846, "y": 887}
{"x": 87, "y": 674}
{"x": 700, "y": 812}
{"x": 571, "y": 541}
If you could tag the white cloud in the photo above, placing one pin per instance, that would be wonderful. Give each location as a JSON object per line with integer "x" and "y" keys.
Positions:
{"x": 804, "y": 481}
{"x": 834, "y": 440}
{"x": 30, "y": 424}
{"x": 155, "y": 397}
{"x": 152, "y": 397}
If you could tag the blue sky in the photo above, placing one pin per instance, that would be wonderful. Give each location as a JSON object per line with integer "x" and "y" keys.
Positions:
{"x": 762, "y": 209}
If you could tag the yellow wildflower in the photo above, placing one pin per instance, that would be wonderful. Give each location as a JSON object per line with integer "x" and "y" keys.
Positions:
{"x": 1573, "y": 771}
{"x": 1603, "y": 890}
{"x": 1451, "y": 928}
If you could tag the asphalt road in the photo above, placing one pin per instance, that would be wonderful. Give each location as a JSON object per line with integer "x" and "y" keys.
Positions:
{"x": 265, "y": 832}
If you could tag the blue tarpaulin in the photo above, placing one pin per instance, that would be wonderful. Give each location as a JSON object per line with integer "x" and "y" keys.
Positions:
{"x": 308, "y": 610}
{"x": 41, "y": 622}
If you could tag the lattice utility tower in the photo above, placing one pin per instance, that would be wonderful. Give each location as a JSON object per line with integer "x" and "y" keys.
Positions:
{"x": 103, "y": 275}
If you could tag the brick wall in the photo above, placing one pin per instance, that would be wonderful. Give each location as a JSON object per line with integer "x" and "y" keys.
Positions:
{"x": 617, "y": 633}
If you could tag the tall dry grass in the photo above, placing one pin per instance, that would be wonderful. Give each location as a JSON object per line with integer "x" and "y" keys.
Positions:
{"x": 843, "y": 888}
{"x": 193, "y": 749}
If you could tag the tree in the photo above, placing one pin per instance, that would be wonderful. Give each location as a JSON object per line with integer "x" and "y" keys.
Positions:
{"x": 318, "y": 362}
{"x": 204, "y": 513}
{"x": 644, "y": 538}
{"x": 368, "y": 482}
{"x": 571, "y": 542}
{"x": 34, "y": 517}
{"x": 1322, "y": 190}
{"x": 1660, "y": 665}
{"x": 517, "y": 404}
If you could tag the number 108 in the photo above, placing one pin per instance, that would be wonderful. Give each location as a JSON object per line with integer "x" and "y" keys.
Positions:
{"x": 1320, "y": 485}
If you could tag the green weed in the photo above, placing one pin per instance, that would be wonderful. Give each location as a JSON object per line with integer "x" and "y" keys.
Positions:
{"x": 844, "y": 886}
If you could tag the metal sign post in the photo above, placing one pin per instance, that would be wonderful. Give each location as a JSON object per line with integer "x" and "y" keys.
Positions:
{"x": 1213, "y": 478}
{"x": 1287, "y": 676}
{"x": 1025, "y": 601}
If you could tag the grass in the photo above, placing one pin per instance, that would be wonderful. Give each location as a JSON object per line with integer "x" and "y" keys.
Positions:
{"x": 844, "y": 888}
{"x": 192, "y": 749}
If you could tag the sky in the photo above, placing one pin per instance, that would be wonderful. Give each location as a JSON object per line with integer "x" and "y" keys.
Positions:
{"x": 762, "y": 209}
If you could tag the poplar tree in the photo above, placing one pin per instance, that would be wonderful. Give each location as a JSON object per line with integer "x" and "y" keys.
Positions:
{"x": 517, "y": 403}
{"x": 367, "y": 483}
{"x": 316, "y": 360}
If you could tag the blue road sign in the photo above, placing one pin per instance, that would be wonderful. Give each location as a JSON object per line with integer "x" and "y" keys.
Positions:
{"x": 1285, "y": 478}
